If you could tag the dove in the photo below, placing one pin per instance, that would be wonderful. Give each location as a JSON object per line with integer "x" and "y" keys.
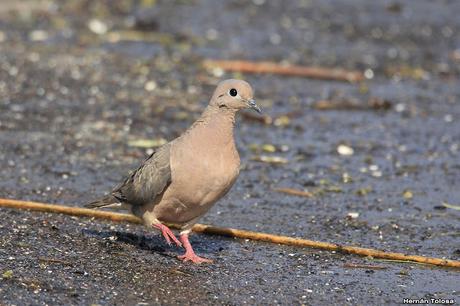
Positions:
{"x": 181, "y": 180}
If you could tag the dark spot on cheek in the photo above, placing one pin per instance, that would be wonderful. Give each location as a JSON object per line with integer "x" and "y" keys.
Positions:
{"x": 220, "y": 96}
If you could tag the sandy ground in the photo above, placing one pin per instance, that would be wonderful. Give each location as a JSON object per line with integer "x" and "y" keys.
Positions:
{"x": 84, "y": 83}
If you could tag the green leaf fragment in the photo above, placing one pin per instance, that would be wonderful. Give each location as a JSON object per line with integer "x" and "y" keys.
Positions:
{"x": 7, "y": 274}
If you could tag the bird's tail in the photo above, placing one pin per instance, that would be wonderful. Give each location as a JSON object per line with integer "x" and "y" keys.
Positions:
{"x": 107, "y": 201}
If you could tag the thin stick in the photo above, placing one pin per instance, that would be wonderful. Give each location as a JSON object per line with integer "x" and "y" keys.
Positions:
{"x": 68, "y": 210}
{"x": 295, "y": 192}
{"x": 231, "y": 232}
{"x": 291, "y": 70}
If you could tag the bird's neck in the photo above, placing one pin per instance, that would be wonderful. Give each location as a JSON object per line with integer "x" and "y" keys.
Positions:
{"x": 217, "y": 123}
{"x": 222, "y": 116}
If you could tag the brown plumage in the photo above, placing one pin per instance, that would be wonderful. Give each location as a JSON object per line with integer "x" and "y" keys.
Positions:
{"x": 182, "y": 179}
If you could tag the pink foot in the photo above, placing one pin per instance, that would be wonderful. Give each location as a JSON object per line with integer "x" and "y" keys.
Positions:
{"x": 167, "y": 233}
{"x": 193, "y": 258}
{"x": 189, "y": 253}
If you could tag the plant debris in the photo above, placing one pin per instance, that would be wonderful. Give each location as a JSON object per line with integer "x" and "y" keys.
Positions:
{"x": 147, "y": 143}
{"x": 351, "y": 104}
{"x": 270, "y": 159}
{"x": 291, "y": 191}
{"x": 447, "y": 205}
{"x": 285, "y": 69}
{"x": 7, "y": 274}
{"x": 407, "y": 194}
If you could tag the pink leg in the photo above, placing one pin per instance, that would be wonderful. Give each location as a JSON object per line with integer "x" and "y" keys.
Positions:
{"x": 167, "y": 233}
{"x": 189, "y": 253}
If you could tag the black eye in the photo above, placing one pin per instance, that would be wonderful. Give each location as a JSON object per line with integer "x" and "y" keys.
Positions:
{"x": 233, "y": 92}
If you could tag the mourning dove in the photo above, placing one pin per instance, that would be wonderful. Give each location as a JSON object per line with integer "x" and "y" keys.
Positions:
{"x": 182, "y": 179}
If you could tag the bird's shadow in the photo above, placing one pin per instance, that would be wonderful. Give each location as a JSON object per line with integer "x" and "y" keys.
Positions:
{"x": 155, "y": 242}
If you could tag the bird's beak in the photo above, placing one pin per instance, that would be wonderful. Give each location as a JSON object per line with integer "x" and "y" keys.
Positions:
{"x": 252, "y": 104}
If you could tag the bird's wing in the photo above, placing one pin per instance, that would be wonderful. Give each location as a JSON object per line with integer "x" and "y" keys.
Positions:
{"x": 147, "y": 182}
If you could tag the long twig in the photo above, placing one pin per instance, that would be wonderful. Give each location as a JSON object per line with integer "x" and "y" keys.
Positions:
{"x": 231, "y": 232}
{"x": 291, "y": 70}
{"x": 68, "y": 210}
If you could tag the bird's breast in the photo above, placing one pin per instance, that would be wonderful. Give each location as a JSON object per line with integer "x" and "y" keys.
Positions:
{"x": 205, "y": 173}
{"x": 204, "y": 166}
{"x": 197, "y": 182}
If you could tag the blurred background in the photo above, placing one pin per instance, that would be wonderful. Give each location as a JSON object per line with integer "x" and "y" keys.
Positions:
{"x": 89, "y": 88}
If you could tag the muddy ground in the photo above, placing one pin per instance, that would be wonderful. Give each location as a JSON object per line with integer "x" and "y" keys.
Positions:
{"x": 84, "y": 84}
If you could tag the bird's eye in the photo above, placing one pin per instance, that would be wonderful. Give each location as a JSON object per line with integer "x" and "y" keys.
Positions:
{"x": 233, "y": 92}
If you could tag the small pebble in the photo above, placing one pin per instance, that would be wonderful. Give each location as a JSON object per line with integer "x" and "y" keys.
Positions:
{"x": 369, "y": 74}
{"x": 98, "y": 27}
{"x": 353, "y": 215}
{"x": 448, "y": 118}
{"x": 212, "y": 34}
{"x": 345, "y": 150}
{"x": 38, "y": 35}
{"x": 150, "y": 86}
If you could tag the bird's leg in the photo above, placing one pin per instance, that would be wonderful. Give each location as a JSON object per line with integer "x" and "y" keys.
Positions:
{"x": 167, "y": 233}
{"x": 189, "y": 253}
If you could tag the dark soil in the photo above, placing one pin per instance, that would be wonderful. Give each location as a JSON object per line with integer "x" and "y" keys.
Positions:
{"x": 81, "y": 80}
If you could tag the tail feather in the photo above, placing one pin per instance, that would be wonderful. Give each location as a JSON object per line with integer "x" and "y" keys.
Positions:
{"x": 107, "y": 201}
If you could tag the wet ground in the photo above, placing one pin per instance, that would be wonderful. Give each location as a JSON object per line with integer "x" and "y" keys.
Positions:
{"x": 85, "y": 84}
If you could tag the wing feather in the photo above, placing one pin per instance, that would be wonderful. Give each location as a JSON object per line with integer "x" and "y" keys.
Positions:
{"x": 148, "y": 181}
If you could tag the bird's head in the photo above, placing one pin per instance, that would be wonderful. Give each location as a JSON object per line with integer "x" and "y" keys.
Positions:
{"x": 234, "y": 95}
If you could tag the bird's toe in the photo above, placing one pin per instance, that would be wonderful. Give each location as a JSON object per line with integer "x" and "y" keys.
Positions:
{"x": 194, "y": 258}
